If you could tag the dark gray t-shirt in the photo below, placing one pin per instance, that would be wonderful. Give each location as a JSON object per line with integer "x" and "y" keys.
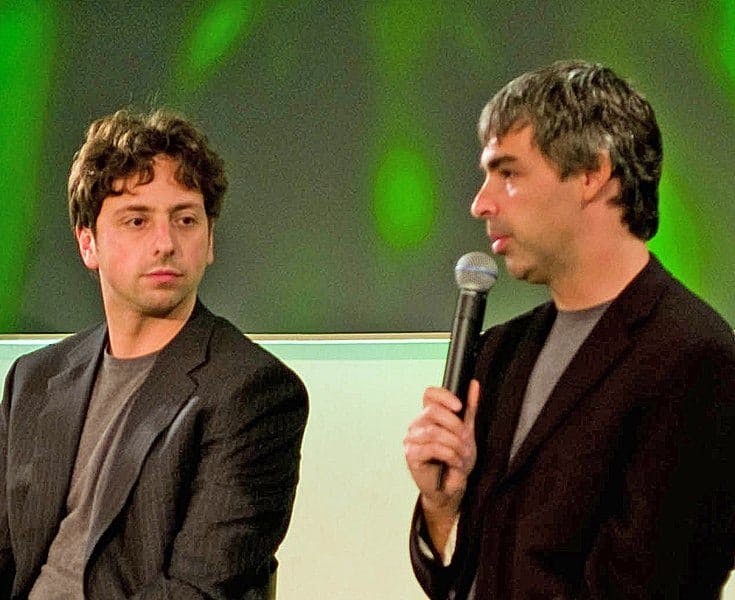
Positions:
{"x": 117, "y": 380}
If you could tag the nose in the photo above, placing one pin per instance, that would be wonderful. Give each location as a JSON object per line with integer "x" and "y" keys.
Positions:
{"x": 164, "y": 238}
{"x": 484, "y": 205}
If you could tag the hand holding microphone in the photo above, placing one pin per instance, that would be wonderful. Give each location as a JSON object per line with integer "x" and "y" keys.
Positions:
{"x": 475, "y": 273}
{"x": 439, "y": 446}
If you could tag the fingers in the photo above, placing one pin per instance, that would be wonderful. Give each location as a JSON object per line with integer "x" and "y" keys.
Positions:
{"x": 428, "y": 440}
{"x": 438, "y": 434}
{"x": 443, "y": 397}
{"x": 419, "y": 454}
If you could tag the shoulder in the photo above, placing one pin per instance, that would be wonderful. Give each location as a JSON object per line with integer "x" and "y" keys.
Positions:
{"x": 230, "y": 345}
{"x": 682, "y": 318}
{"x": 671, "y": 335}
{"x": 27, "y": 380}
{"x": 237, "y": 365}
{"x": 46, "y": 361}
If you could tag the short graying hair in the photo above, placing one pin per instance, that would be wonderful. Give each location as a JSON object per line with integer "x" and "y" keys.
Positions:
{"x": 576, "y": 109}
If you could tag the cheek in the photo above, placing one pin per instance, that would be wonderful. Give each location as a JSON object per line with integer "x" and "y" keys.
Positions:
{"x": 117, "y": 258}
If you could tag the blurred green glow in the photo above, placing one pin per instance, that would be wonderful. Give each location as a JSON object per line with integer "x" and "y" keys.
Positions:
{"x": 404, "y": 201}
{"x": 27, "y": 40}
{"x": 716, "y": 44}
{"x": 403, "y": 190}
{"x": 678, "y": 242}
{"x": 213, "y": 38}
{"x": 400, "y": 31}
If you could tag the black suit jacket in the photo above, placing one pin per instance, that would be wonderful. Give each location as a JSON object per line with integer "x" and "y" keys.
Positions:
{"x": 625, "y": 486}
{"x": 198, "y": 496}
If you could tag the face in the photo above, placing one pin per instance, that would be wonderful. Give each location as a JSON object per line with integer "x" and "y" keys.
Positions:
{"x": 150, "y": 246}
{"x": 532, "y": 216}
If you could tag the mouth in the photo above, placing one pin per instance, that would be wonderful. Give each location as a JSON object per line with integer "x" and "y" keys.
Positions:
{"x": 163, "y": 275}
{"x": 498, "y": 242}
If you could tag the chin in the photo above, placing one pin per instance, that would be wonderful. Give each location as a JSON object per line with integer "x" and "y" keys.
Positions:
{"x": 529, "y": 273}
{"x": 516, "y": 270}
{"x": 164, "y": 308}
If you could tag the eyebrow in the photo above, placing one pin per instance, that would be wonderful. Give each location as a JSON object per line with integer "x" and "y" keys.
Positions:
{"x": 497, "y": 162}
{"x": 147, "y": 209}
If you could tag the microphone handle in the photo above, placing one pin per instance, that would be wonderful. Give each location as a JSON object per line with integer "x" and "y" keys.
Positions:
{"x": 460, "y": 363}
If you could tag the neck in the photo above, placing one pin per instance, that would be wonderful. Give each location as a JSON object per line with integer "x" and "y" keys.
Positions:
{"x": 600, "y": 274}
{"x": 136, "y": 335}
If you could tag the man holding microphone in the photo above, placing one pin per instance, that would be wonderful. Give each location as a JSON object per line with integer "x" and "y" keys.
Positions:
{"x": 595, "y": 455}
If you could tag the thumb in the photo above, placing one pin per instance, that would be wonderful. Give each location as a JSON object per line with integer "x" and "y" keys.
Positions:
{"x": 473, "y": 400}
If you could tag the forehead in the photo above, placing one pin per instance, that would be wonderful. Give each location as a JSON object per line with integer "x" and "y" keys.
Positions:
{"x": 162, "y": 185}
{"x": 516, "y": 144}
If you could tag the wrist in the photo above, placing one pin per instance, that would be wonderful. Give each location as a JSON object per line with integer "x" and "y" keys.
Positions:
{"x": 440, "y": 520}
{"x": 440, "y": 510}
{"x": 440, "y": 503}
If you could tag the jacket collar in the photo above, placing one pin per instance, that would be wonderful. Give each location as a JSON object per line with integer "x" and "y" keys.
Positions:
{"x": 608, "y": 341}
{"x": 169, "y": 387}
{"x": 57, "y": 436}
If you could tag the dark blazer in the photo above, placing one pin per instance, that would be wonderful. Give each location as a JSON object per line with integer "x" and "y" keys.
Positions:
{"x": 625, "y": 485}
{"x": 199, "y": 495}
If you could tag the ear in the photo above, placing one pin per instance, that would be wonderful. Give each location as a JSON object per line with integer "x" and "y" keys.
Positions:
{"x": 598, "y": 184}
{"x": 210, "y": 245}
{"x": 87, "y": 247}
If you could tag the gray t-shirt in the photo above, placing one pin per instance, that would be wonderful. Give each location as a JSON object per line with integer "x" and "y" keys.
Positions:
{"x": 567, "y": 335}
{"x": 117, "y": 380}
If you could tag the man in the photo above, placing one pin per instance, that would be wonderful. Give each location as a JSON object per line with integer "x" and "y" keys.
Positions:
{"x": 596, "y": 454}
{"x": 156, "y": 455}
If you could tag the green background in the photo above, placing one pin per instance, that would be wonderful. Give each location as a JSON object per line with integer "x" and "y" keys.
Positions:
{"x": 348, "y": 129}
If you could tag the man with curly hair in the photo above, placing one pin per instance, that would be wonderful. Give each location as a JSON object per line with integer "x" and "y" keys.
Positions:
{"x": 155, "y": 455}
{"x": 596, "y": 454}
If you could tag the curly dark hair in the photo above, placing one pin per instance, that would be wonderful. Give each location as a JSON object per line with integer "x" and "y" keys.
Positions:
{"x": 124, "y": 144}
{"x": 576, "y": 109}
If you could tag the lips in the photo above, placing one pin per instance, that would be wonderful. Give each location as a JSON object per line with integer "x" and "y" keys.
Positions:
{"x": 163, "y": 275}
{"x": 498, "y": 242}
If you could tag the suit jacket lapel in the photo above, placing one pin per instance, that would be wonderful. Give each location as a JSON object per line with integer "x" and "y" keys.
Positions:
{"x": 607, "y": 342}
{"x": 59, "y": 429}
{"x": 154, "y": 406}
{"x": 509, "y": 396}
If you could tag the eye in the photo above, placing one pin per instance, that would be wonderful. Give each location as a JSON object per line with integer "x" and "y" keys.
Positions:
{"x": 135, "y": 222}
{"x": 188, "y": 220}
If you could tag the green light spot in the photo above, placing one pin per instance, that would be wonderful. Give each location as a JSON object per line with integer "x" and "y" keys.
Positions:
{"x": 404, "y": 199}
{"x": 678, "y": 241}
{"x": 214, "y": 37}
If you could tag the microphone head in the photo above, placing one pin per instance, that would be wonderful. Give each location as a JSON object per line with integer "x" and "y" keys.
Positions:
{"x": 476, "y": 271}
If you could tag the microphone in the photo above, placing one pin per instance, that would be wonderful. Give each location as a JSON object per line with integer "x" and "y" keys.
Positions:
{"x": 475, "y": 274}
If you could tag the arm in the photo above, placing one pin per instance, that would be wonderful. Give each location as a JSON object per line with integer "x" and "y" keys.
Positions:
{"x": 242, "y": 494}
{"x": 439, "y": 435}
{"x": 671, "y": 535}
{"x": 7, "y": 562}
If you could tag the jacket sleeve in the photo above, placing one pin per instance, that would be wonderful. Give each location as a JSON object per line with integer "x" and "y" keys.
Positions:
{"x": 669, "y": 533}
{"x": 438, "y": 581}
{"x": 242, "y": 493}
{"x": 7, "y": 562}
